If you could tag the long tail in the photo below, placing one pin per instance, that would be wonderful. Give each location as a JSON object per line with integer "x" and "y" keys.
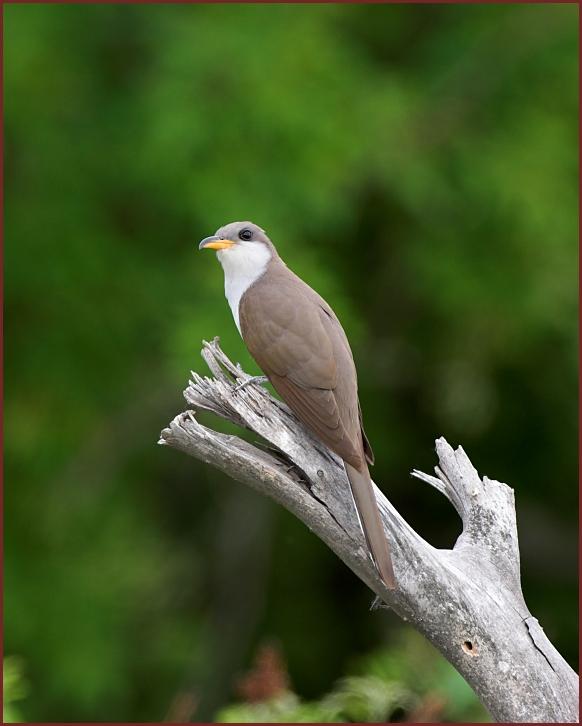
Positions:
{"x": 371, "y": 522}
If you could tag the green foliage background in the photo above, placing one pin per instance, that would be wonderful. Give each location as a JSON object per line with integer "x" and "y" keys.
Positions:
{"x": 418, "y": 166}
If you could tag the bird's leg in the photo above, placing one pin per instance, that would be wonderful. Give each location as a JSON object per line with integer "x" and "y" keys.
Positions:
{"x": 253, "y": 379}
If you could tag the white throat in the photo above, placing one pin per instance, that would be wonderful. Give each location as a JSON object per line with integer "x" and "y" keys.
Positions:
{"x": 243, "y": 264}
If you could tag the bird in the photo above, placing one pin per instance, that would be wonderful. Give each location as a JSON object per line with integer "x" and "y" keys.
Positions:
{"x": 298, "y": 342}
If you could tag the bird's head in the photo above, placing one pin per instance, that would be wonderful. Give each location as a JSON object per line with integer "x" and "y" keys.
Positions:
{"x": 240, "y": 245}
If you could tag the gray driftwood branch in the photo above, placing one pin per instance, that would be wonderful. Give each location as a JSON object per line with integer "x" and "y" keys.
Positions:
{"x": 467, "y": 601}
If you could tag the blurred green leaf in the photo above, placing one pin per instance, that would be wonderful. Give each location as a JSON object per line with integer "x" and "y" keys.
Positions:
{"x": 15, "y": 688}
{"x": 408, "y": 682}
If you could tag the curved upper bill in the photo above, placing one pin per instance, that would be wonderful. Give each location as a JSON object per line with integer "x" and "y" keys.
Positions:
{"x": 215, "y": 243}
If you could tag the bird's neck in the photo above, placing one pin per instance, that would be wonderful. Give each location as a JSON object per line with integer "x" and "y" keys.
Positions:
{"x": 242, "y": 267}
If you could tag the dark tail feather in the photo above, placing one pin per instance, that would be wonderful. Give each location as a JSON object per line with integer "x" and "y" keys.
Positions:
{"x": 369, "y": 514}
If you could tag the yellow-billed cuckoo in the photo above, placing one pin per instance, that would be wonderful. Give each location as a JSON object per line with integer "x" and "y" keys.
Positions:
{"x": 298, "y": 342}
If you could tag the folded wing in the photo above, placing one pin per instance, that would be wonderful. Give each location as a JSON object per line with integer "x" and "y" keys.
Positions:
{"x": 299, "y": 344}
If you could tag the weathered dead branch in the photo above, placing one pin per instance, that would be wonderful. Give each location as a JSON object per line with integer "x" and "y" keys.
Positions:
{"x": 467, "y": 601}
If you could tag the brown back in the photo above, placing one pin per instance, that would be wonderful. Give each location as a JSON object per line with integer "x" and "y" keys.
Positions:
{"x": 298, "y": 342}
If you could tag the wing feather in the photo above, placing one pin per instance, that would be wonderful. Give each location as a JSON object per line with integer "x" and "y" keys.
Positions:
{"x": 301, "y": 347}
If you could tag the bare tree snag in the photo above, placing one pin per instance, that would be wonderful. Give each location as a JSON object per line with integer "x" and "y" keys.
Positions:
{"x": 467, "y": 601}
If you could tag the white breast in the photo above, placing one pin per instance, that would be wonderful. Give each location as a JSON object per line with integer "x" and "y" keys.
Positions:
{"x": 243, "y": 264}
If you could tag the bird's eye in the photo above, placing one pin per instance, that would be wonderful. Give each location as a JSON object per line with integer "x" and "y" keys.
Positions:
{"x": 245, "y": 234}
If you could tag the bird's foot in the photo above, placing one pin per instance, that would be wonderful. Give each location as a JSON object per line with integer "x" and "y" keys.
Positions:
{"x": 253, "y": 379}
